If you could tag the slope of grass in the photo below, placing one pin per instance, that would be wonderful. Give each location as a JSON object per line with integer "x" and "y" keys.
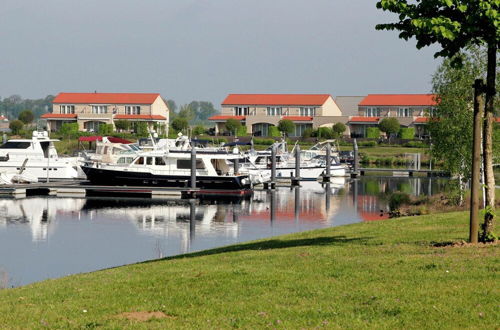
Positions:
{"x": 370, "y": 275}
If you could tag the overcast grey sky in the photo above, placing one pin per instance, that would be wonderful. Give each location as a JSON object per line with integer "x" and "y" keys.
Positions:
{"x": 202, "y": 50}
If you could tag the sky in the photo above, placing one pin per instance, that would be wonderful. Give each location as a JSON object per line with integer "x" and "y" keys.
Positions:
{"x": 203, "y": 50}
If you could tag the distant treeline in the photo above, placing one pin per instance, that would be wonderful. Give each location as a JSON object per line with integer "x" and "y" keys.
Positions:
{"x": 196, "y": 112}
{"x": 13, "y": 105}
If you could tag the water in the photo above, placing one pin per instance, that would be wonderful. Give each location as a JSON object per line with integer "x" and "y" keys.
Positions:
{"x": 49, "y": 237}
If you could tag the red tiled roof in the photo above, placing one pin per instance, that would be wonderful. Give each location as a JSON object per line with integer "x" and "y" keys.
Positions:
{"x": 58, "y": 115}
{"x": 365, "y": 119}
{"x": 276, "y": 99}
{"x": 421, "y": 120}
{"x": 3, "y": 117}
{"x": 106, "y": 98}
{"x": 298, "y": 118}
{"x": 145, "y": 117}
{"x": 223, "y": 117}
{"x": 497, "y": 120}
{"x": 399, "y": 99}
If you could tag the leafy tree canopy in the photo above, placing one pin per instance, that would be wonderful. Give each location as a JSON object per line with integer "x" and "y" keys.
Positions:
{"x": 453, "y": 24}
{"x": 16, "y": 126}
{"x": 339, "y": 128}
{"x": 180, "y": 124}
{"x": 389, "y": 125}
{"x": 26, "y": 116}
{"x": 286, "y": 126}
{"x": 232, "y": 125}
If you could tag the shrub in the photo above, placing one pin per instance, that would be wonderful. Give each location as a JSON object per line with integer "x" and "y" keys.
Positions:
{"x": 325, "y": 133}
{"x": 407, "y": 133}
{"x": 416, "y": 144}
{"x": 260, "y": 141}
{"x": 199, "y": 130}
{"x": 69, "y": 130}
{"x": 26, "y": 116}
{"x": 242, "y": 131}
{"x": 373, "y": 132}
{"x": 367, "y": 143}
{"x": 286, "y": 126}
{"x": 16, "y": 126}
{"x": 339, "y": 129}
{"x": 274, "y": 131}
{"x": 122, "y": 125}
{"x": 105, "y": 129}
{"x": 389, "y": 126}
{"x": 232, "y": 125}
{"x": 180, "y": 124}
{"x": 397, "y": 199}
{"x": 307, "y": 133}
{"x": 141, "y": 129}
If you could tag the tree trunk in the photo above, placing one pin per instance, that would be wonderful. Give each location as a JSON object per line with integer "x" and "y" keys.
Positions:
{"x": 488, "y": 143}
{"x": 476, "y": 162}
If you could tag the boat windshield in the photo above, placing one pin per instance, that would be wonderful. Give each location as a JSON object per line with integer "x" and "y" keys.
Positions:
{"x": 15, "y": 145}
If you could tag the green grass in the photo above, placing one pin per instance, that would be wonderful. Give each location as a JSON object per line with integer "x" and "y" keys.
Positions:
{"x": 370, "y": 275}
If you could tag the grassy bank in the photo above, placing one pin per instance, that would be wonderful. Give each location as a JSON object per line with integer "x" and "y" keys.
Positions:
{"x": 370, "y": 275}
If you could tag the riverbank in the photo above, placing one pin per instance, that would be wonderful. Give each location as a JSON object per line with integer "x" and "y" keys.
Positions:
{"x": 394, "y": 273}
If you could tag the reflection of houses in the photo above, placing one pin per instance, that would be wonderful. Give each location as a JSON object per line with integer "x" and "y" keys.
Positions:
{"x": 90, "y": 110}
{"x": 411, "y": 110}
{"x": 258, "y": 112}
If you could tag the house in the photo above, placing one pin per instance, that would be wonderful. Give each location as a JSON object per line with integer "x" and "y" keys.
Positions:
{"x": 4, "y": 124}
{"x": 258, "y": 112}
{"x": 90, "y": 110}
{"x": 411, "y": 110}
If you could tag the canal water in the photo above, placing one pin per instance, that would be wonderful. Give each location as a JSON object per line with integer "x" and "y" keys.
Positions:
{"x": 49, "y": 237}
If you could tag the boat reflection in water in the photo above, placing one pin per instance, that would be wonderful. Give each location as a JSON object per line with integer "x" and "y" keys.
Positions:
{"x": 47, "y": 237}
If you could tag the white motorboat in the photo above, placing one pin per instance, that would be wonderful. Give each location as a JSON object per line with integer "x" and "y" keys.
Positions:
{"x": 37, "y": 158}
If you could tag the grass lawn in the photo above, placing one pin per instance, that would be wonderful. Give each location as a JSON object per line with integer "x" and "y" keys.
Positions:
{"x": 370, "y": 275}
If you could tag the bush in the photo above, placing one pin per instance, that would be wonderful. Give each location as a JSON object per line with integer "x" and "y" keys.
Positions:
{"x": 339, "y": 129}
{"x": 325, "y": 133}
{"x": 367, "y": 143}
{"x": 141, "y": 129}
{"x": 242, "y": 131}
{"x": 389, "y": 126}
{"x": 180, "y": 124}
{"x": 122, "y": 125}
{"x": 415, "y": 144}
{"x": 233, "y": 125}
{"x": 69, "y": 130}
{"x": 26, "y": 116}
{"x": 397, "y": 199}
{"x": 373, "y": 132}
{"x": 16, "y": 126}
{"x": 407, "y": 133}
{"x": 274, "y": 131}
{"x": 105, "y": 129}
{"x": 265, "y": 142}
{"x": 199, "y": 130}
{"x": 307, "y": 133}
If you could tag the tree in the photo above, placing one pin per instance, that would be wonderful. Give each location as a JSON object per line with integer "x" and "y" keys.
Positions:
{"x": 172, "y": 107}
{"x": 180, "y": 124}
{"x": 232, "y": 125}
{"x": 122, "y": 125}
{"x": 16, "y": 126}
{"x": 69, "y": 130}
{"x": 141, "y": 129}
{"x": 26, "y": 116}
{"x": 389, "y": 126}
{"x": 456, "y": 25}
{"x": 339, "y": 129}
{"x": 286, "y": 126}
{"x": 199, "y": 130}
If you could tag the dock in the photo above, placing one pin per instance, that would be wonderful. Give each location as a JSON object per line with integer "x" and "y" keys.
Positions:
{"x": 80, "y": 189}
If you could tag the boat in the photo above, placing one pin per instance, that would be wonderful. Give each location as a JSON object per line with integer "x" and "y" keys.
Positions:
{"x": 165, "y": 168}
{"x": 36, "y": 159}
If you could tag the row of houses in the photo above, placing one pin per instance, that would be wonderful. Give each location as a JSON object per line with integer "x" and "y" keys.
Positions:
{"x": 260, "y": 111}
{"x": 256, "y": 111}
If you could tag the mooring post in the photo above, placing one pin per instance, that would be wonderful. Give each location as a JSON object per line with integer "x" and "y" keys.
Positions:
{"x": 476, "y": 161}
{"x": 355, "y": 171}
{"x": 326, "y": 177}
{"x": 296, "y": 180}
{"x": 236, "y": 166}
{"x": 273, "y": 167}
{"x": 193, "y": 168}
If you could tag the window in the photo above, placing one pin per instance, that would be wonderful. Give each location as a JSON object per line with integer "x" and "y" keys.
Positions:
{"x": 308, "y": 111}
{"x": 67, "y": 109}
{"x": 125, "y": 160}
{"x": 241, "y": 111}
{"x": 372, "y": 112}
{"x": 149, "y": 161}
{"x": 99, "y": 109}
{"x": 405, "y": 112}
{"x": 274, "y": 111}
{"x": 185, "y": 164}
{"x": 15, "y": 145}
{"x": 300, "y": 128}
{"x": 159, "y": 161}
{"x": 140, "y": 161}
{"x": 133, "y": 109}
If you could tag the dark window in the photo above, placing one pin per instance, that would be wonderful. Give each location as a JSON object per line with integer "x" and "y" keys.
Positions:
{"x": 15, "y": 145}
{"x": 140, "y": 161}
{"x": 186, "y": 164}
{"x": 159, "y": 161}
{"x": 149, "y": 161}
